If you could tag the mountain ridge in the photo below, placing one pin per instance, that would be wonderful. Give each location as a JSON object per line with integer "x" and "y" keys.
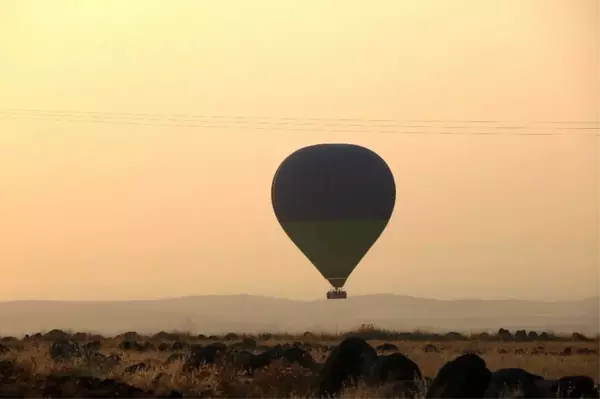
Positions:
{"x": 169, "y": 298}
{"x": 215, "y": 314}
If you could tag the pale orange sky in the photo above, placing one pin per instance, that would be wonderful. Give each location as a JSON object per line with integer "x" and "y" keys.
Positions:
{"x": 109, "y": 211}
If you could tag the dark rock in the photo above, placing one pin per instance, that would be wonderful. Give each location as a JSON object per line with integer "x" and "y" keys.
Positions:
{"x": 249, "y": 343}
{"x": 464, "y": 377}
{"x": 504, "y": 382}
{"x": 538, "y": 351}
{"x": 295, "y": 355}
{"x": 568, "y": 351}
{"x": 265, "y": 336}
{"x": 165, "y": 336}
{"x": 349, "y": 362}
{"x": 170, "y": 394}
{"x": 128, "y": 345}
{"x": 80, "y": 337}
{"x": 63, "y": 349}
{"x": 9, "y": 369}
{"x": 430, "y": 348}
{"x": 586, "y": 351}
{"x": 200, "y": 355}
{"x": 65, "y": 386}
{"x": 395, "y": 367}
{"x": 454, "y": 336}
{"x": 4, "y": 350}
{"x": 149, "y": 346}
{"x": 249, "y": 362}
{"x": 164, "y": 347}
{"x": 178, "y": 346}
{"x": 129, "y": 336}
{"x": 219, "y": 346}
{"x": 576, "y": 386}
{"x": 387, "y": 347}
{"x": 55, "y": 335}
{"x": 92, "y": 345}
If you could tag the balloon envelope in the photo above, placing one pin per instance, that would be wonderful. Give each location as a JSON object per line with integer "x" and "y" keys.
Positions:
{"x": 333, "y": 201}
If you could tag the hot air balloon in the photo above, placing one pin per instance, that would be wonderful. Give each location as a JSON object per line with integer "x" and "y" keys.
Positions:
{"x": 333, "y": 201}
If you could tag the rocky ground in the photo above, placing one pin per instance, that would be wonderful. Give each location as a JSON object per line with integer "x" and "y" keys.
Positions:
{"x": 61, "y": 365}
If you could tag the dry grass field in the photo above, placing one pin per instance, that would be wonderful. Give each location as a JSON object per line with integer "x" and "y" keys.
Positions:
{"x": 79, "y": 365}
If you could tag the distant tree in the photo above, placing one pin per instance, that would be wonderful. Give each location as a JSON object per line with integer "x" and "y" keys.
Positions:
{"x": 579, "y": 337}
{"x": 521, "y": 335}
{"x": 504, "y": 335}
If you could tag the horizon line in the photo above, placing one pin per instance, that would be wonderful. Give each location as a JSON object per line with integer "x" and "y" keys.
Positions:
{"x": 170, "y": 298}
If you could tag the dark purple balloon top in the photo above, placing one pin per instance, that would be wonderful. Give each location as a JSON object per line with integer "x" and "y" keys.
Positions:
{"x": 327, "y": 182}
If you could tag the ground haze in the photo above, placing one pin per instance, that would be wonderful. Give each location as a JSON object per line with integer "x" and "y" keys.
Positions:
{"x": 254, "y": 314}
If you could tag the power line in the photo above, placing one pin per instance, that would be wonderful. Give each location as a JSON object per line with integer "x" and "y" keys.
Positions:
{"x": 347, "y": 129}
{"x": 378, "y": 126}
{"x": 238, "y": 117}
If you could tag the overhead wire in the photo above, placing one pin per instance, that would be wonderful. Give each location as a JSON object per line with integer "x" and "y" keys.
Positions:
{"x": 347, "y": 125}
{"x": 146, "y": 114}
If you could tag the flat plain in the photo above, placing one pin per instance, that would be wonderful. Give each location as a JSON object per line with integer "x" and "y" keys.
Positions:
{"x": 59, "y": 364}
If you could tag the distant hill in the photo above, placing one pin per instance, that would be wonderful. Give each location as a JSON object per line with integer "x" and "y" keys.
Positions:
{"x": 215, "y": 314}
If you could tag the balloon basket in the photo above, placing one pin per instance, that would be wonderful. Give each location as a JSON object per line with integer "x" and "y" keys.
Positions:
{"x": 337, "y": 294}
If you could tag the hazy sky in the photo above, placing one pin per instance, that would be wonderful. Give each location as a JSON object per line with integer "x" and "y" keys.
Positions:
{"x": 106, "y": 210}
